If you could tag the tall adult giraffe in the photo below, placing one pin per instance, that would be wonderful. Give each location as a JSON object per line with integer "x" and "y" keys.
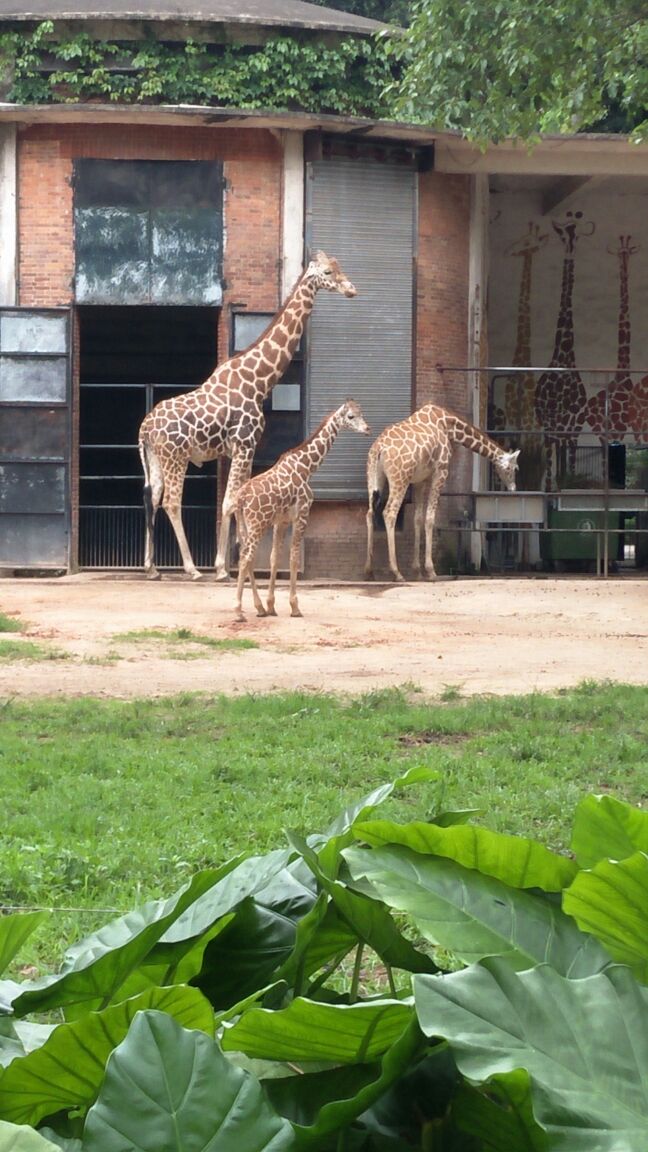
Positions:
{"x": 611, "y": 409}
{"x": 224, "y": 416}
{"x": 560, "y": 397}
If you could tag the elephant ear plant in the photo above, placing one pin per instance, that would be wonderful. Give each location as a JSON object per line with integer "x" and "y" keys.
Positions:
{"x": 379, "y": 987}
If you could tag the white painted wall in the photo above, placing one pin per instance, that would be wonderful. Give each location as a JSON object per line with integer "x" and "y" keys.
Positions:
{"x": 293, "y": 210}
{"x": 8, "y": 219}
{"x": 596, "y": 290}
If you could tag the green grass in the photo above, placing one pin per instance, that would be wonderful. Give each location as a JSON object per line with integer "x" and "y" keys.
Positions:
{"x": 11, "y": 650}
{"x": 108, "y": 803}
{"x": 183, "y": 637}
{"x": 9, "y": 623}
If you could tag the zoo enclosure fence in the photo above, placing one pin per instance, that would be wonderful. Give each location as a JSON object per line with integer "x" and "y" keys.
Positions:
{"x": 582, "y": 493}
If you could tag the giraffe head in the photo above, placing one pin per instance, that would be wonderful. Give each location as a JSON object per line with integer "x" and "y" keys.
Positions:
{"x": 506, "y": 464}
{"x": 350, "y": 416}
{"x": 326, "y": 273}
{"x": 529, "y": 243}
{"x": 570, "y": 228}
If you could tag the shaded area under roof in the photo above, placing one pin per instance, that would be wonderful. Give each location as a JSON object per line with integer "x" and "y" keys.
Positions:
{"x": 277, "y": 13}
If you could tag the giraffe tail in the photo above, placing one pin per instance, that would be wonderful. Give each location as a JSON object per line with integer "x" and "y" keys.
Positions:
{"x": 149, "y": 510}
{"x": 378, "y": 486}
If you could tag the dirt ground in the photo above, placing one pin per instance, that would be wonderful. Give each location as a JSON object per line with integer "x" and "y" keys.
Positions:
{"x": 474, "y": 635}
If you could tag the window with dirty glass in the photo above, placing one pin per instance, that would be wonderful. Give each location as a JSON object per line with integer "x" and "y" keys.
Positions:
{"x": 148, "y": 231}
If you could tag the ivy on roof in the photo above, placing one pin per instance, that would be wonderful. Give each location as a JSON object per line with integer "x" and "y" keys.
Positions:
{"x": 285, "y": 73}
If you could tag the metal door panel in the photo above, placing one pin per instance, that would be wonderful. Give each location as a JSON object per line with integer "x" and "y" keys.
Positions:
{"x": 32, "y": 488}
{"x": 33, "y": 542}
{"x": 40, "y": 433}
{"x": 29, "y": 332}
{"x": 33, "y": 380}
{"x": 363, "y": 212}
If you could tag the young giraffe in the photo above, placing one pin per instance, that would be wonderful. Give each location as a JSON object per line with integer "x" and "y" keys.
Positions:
{"x": 281, "y": 495}
{"x": 417, "y": 451}
{"x": 224, "y": 416}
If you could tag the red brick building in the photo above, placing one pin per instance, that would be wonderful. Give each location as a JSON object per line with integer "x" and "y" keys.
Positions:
{"x": 141, "y": 245}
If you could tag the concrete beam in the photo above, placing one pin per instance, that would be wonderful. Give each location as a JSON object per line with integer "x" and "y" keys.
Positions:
{"x": 292, "y": 211}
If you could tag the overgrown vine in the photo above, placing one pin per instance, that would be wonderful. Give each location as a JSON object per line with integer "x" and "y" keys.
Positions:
{"x": 286, "y": 73}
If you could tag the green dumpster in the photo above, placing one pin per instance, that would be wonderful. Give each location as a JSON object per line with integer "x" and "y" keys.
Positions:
{"x": 577, "y": 539}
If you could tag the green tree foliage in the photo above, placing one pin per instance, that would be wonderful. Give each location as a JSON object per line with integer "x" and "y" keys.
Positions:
{"x": 496, "y": 68}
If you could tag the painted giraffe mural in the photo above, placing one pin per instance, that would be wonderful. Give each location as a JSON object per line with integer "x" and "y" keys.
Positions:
{"x": 224, "y": 416}
{"x": 519, "y": 391}
{"x": 282, "y": 496}
{"x": 417, "y": 451}
{"x": 610, "y": 410}
{"x": 560, "y": 397}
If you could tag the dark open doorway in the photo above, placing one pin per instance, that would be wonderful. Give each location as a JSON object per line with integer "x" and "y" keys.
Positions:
{"x": 131, "y": 358}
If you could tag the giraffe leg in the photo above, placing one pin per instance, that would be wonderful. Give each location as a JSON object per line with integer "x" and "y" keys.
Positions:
{"x": 299, "y": 527}
{"x": 240, "y": 470}
{"x": 246, "y": 569}
{"x": 419, "y": 511}
{"x": 172, "y": 504}
{"x": 434, "y": 492}
{"x": 392, "y": 508}
{"x": 278, "y": 534}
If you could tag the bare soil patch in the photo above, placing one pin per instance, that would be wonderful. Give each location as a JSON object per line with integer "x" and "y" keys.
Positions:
{"x": 475, "y": 635}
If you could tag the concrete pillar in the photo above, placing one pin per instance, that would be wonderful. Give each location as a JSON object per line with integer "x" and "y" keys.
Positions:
{"x": 292, "y": 211}
{"x": 477, "y": 335}
{"x": 8, "y": 215}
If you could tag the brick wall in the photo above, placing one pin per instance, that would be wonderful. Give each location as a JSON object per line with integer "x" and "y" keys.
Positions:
{"x": 252, "y": 169}
{"x": 335, "y": 543}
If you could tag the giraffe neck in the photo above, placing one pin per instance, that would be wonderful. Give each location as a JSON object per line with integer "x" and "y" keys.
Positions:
{"x": 265, "y": 362}
{"x": 563, "y": 353}
{"x": 623, "y": 352}
{"x": 461, "y": 432}
{"x": 312, "y": 451}
{"x": 522, "y": 353}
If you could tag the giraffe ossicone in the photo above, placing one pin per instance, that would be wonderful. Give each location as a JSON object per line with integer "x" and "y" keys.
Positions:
{"x": 224, "y": 416}
{"x": 417, "y": 451}
{"x": 281, "y": 496}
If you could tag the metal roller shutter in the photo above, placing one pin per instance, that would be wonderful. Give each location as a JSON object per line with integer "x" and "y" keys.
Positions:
{"x": 363, "y": 212}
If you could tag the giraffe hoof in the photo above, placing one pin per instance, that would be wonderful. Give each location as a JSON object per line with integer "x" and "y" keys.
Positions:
{"x": 152, "y": 574}
{"x": 295, "y": 612}
{"x": 398, "y": 578}
{"x": 262, "y": 612}
{"x": 239, "y": 617}
{"x": 271, "y": 612}
{"x": 369, "y": 574}
{"x": 196, "y": 575}
{"x": 222, "y": 576}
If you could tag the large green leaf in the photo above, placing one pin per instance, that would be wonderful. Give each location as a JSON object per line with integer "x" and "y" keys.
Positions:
{"x": 250, "y": 875}
{"x": 500, "y": 1118}
{"x": 257, "y": 942}
{"x": 15, "y": 1138}
{"x": 328, "y": 1102}
{"x": 14, "y": 930}
{"x": 584, "y": 1044}
{"x": 516, "y": 861}
{"x": 369, "y": 920}
{"x": 474, "y": 915}
{"x": 341, "y": 831}
{"x": 94, "y": 971}
{"x": 307, "y": 1030}
{"x": 18, "y": 1037}
{"x": 611, "y": 902}
{"x": 607, "y": 829}
{"x": 68, "y": 1069}
{"x": 167, "y": 1089}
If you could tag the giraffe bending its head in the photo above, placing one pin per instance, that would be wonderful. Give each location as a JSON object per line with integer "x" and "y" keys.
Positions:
{"x": 417, "y": 451}
{"x": 224, "y": 416}
{"x": 280, "y": 496}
